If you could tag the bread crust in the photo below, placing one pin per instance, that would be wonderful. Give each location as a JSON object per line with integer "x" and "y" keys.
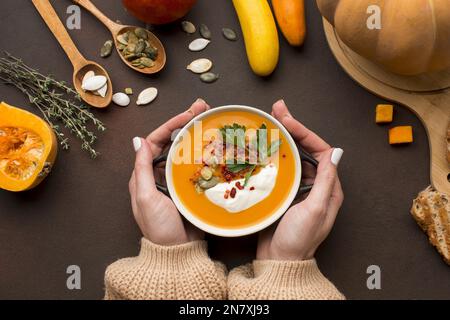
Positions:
{"x": 448, "y": 144}
{"x": 431, "y": 210}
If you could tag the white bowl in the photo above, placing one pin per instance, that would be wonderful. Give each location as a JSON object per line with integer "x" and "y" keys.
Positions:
{"x": 234, "y": 232}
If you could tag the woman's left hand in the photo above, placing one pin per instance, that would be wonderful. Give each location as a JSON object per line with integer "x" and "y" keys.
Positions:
{"x": 155, "y": 213}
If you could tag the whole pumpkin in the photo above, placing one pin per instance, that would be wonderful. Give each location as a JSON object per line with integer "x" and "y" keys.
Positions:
{"x": 159, "y": 11}
{"x": 414, "y": 37}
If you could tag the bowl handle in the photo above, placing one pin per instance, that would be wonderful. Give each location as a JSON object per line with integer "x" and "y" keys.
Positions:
{"x": 304, "y": 156}
{"x": 161, "y": 159}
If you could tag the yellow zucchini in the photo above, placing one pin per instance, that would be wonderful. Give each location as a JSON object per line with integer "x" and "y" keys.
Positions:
{"x": 260, "y": 35}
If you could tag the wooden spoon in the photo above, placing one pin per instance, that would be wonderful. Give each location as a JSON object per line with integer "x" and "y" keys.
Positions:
{"x": 80, "y": 65}
{"x": 427, "y": 95}
{"x": 118, "y": 29}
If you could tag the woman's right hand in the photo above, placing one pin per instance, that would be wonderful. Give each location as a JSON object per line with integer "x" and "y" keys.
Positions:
{"x": 155, "y": 213}
{"x": 305, "y": 225}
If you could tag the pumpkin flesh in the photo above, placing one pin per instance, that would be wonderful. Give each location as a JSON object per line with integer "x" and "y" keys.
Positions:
{"x": 28, "y": 149}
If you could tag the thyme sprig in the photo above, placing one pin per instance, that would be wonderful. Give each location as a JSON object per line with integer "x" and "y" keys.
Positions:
{"x": 56, "y": 101}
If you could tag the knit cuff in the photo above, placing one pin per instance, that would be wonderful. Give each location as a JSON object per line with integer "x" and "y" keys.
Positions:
{"x": 177, "y": 272}
{"x": 287, "y": 273}
{"x": 280, "y": 280}
{"x": 173, "y": 258}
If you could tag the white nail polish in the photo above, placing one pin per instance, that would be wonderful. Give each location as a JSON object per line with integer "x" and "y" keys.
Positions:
{"x": 336, "y": 156}
{"x": 137, "y": 144}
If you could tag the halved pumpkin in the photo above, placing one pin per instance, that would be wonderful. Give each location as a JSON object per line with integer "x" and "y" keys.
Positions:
{"x": 28, "y": 149}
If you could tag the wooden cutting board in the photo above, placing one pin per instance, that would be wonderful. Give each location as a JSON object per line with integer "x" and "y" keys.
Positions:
{"x": 427, "y": 95}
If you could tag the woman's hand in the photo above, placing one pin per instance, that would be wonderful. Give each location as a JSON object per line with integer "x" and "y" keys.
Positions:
{"x": 156, "y": 214}
{"x": 306, "y": 225}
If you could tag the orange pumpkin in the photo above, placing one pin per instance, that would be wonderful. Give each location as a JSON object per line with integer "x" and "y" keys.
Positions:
{"x": 414, "y": 37}
{"x": 28, "y": 149}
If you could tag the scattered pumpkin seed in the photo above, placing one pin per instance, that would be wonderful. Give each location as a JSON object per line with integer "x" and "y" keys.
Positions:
{"x": 106, "y": 49}
{"x": 206, "y": 173}
{"x": 141, "y": 33}
{"x": 188, "y": 27}
{"x": 209, "y": 77}
{"x": 204, "y": 31}
{"x": 199, "y": 44}
{"x": 229, "y": 34}
{"x": 147, "y": 96}
{"x": 200, "y": 66}
{"x": 121, "y": 99}
{"x": 129, "y": 91}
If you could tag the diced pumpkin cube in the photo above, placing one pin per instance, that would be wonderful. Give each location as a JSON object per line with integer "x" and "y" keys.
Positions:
{"x": 399, "y": 135}
{"x": 384, "y": 113}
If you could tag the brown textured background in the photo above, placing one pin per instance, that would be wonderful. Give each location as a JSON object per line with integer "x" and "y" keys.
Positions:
{"x": 81, "y": 213}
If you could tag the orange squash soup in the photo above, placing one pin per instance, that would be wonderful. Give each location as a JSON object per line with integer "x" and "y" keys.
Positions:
{"x": 241, "y": 194}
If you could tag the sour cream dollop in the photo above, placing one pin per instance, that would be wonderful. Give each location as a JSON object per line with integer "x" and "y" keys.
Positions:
{"x": 258, "y": 188}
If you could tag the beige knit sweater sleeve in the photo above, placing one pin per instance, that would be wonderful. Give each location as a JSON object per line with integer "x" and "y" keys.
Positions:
{"x": 183, "y": 272}
{"x": 186, "y": 272}
{"x": 281, "y": 280}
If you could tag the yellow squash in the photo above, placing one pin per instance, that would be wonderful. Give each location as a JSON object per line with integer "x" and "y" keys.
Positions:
{"x": 260, "y": 35}
{"x": 28, "y": 149}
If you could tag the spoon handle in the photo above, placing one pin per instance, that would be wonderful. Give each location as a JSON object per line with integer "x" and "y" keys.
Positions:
{"x": 89, "y": 6}
{"x": 52, "y": 20}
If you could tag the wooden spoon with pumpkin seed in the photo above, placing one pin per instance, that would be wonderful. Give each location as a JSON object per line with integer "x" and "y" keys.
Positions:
{"x": 138, "y": 48}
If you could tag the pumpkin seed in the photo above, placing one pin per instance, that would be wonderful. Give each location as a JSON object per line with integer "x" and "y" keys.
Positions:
{"x": 146, "y": 62}
{"x": 141, "y": 33}
{"x": 209, "y": 77}
{"x": 88, "y": 75}
{"x": 151, "y": 52}
{"x": 208, "y": 184}
{"x": 140, "y": 47}
{"x": 199, "y": 189}
{"x": 206, "y": 173}
{"x": 200, "y": 66}
{"x": 103, "y": 90}
{"x": 132, "y": 38}
{"x": 121, "y": 99}
{"x": 121, "y": 47}
{"x": 229, "y": 34}
{"x": 188, "y": 27}
{"x": 204, "y": 31}
{"x": 136, "y": 63}
{"x": 95, "y": 83}
{"x": 131, "y": 56}
{"x": 147, "y": 96}
{"x": 106, "y": 49}
{"x": 123, "y": 39}
{"x": 199, "y": 44}
{"x": 129, "y": 91}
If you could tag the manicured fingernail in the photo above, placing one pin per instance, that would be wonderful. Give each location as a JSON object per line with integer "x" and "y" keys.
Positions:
{"x": 200, "y": 100}
{"x": 137, "y": 144}
{"x": 336, "y": 156}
